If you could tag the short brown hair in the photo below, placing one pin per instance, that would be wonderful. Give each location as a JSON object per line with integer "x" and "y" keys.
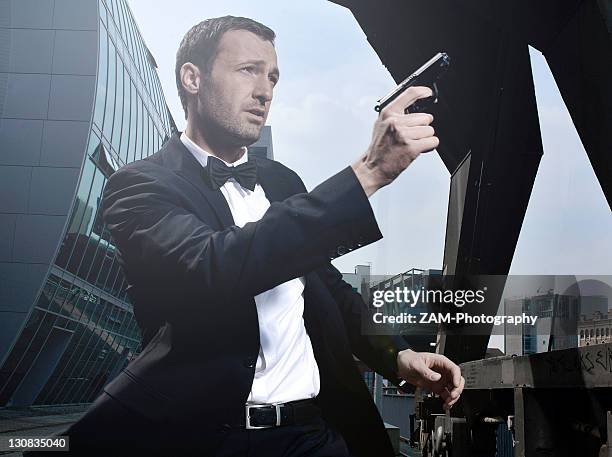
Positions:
{"x": 199, "y": 46}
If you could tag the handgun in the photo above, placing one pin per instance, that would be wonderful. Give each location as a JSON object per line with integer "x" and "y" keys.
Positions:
{"x": 428, "y": 75}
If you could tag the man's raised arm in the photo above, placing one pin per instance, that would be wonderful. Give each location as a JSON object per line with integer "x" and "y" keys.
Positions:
{"x": 161, "y": 242}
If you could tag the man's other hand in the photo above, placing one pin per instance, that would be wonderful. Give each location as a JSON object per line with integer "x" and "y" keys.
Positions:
{"x": 397, "y": 140}
{"x": 433, "y": 372}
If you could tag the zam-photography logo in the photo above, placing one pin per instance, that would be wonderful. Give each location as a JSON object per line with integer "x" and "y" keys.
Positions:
{"x": 526, "y": 303}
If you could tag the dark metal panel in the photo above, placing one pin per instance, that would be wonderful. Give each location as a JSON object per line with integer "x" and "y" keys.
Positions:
{"x": 14, "y": 187}
{"x": 75, "y": 14}
{"x": 30, "y": 50}
{"x": 52, "y": 190}
{"x": 20, "y": 140}
{"x": 75, "y": 52}
{"x": 64, "y": 143}
{"x": 584, "y": 367}
{"x": 580, "y": 58}
{"x": 71, "y": 97}
{"x": 36, "y": 237}
{"x": 24, "y": 96}
{"x": 35, "y": 14}
{"x": 405, "y": 34}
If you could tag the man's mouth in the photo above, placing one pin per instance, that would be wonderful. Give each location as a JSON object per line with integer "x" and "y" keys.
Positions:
{"x": 257, "y": 112}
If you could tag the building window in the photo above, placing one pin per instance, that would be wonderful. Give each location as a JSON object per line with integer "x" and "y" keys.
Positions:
{"x": 105, "y": 161}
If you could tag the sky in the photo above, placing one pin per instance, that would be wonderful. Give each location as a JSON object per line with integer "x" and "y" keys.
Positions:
{"x": 322, "y": 117}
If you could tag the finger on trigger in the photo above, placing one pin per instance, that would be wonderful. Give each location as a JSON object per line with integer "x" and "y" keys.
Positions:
{"x": 407, "y": 98}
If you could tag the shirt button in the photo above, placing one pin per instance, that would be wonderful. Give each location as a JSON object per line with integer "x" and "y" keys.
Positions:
{"x": 249, "y": 362}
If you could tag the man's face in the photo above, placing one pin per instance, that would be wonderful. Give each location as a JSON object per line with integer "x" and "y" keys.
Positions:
{"x": 234, "y": 100}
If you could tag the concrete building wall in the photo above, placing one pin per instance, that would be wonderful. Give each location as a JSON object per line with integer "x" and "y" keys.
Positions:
{"x": 48, "y": 52}
{"x": 79, "y": 97}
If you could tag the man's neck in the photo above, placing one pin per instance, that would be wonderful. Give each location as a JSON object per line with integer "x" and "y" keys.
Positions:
{"x": 227, "y": 153}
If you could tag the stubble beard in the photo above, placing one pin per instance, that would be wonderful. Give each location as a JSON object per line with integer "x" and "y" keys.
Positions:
{"x": 224, "y": 127}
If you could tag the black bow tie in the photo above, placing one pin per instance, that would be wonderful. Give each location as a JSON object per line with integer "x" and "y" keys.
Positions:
{"x": 217, "y": 173}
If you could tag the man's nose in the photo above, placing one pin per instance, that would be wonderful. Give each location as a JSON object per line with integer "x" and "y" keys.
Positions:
{"x": 263, "y": 90}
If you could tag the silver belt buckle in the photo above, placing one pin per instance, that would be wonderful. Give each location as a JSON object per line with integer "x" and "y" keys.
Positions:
{"x": 248, "y": 407}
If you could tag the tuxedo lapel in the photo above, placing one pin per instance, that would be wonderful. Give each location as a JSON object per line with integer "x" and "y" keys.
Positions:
{"x": 179, "y": 159}
{"x": 273, "y": 184}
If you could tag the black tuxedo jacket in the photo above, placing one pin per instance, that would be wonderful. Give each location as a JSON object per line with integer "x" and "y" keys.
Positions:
{"x": 192, "y": 277}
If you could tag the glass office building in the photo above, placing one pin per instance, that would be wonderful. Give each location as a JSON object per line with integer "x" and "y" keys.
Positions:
{"x": 79, "y": 97}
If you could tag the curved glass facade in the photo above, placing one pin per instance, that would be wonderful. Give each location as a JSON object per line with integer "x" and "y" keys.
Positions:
{"x": 81, "y": 330}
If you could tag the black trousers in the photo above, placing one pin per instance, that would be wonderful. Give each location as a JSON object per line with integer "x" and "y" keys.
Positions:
{"x": 109, "y": 429}
{"x": 311, "y": 440}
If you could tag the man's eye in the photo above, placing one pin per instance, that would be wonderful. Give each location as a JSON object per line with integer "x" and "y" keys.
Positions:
{"x": 248, "y": 69}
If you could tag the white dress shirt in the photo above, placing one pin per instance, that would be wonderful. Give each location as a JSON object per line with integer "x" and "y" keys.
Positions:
{"x": 286, "y": 368}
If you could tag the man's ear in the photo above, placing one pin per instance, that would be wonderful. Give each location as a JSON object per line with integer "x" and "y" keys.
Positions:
{"x": 190, "y": 78}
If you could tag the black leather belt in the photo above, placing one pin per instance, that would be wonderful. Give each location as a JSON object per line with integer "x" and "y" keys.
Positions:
{"x": 275, "y": 415}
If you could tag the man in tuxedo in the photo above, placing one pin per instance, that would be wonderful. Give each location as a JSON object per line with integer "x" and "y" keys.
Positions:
{"x": 248, "y": 330}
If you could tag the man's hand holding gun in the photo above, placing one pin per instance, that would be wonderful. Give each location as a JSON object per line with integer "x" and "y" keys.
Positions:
{"x": 401, "y": 133}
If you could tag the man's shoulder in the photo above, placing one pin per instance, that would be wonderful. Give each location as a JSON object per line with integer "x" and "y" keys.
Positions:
{"x": 142, "y": 165}
{"x": 150, "y": 172}
{"x": 279, "y": 170}
{"x": 153, "y": 164}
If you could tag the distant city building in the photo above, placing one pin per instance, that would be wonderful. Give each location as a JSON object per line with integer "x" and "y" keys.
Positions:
{"x": 558, "y": 315}
{"x": 360, "y": 279}
{"x": 595, "y": 330}
{"x": 79, "y": 98}
{"x": 263, "y": 146}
